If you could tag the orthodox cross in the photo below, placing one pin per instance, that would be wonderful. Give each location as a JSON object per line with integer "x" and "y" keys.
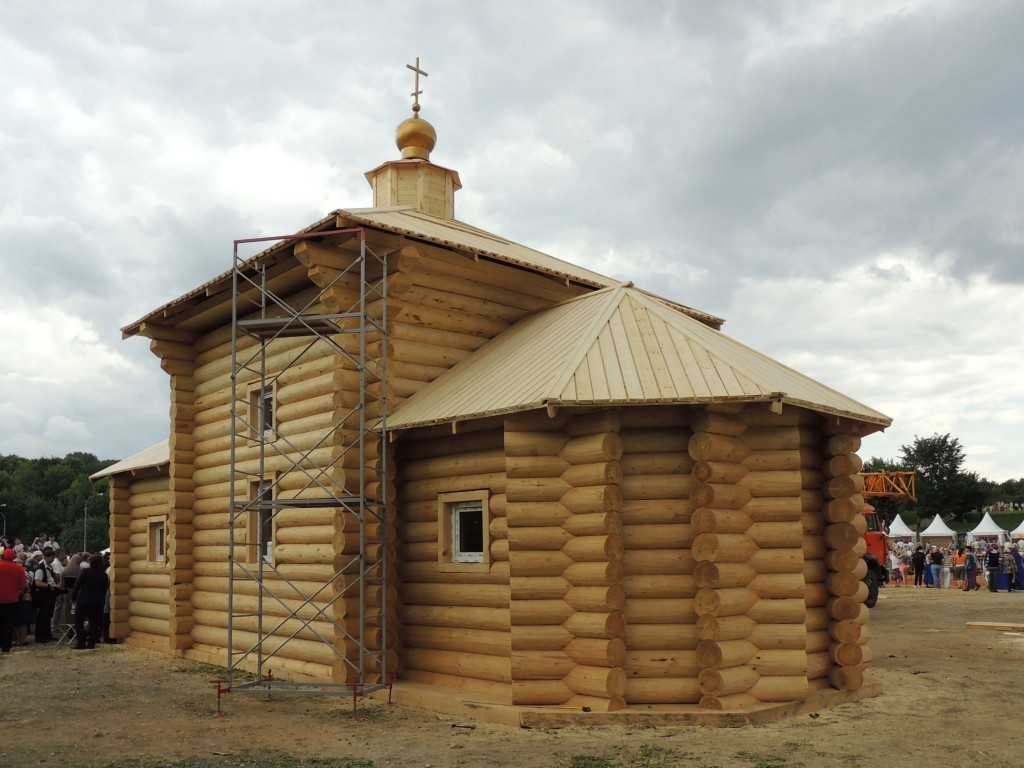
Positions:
{"x": 416, "y": 93}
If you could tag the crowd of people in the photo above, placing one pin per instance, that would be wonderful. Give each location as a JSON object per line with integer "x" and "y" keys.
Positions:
{"x": 51, "y": 595}
{"x": 983, "y": 563}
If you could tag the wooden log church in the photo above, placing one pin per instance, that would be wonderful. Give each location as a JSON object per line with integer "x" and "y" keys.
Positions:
{"x": 404, "y": 451}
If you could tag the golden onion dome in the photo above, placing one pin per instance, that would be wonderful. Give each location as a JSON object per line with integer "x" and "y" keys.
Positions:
{"x": 415, "y": 137}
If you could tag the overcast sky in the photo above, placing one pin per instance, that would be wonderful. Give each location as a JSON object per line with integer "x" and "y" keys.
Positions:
{"x": 841, "y": 181}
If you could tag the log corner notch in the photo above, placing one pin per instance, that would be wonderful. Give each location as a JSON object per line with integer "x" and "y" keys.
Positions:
{"x": 120, "y": 557}
{"x": 565, "y": 558}
{"x": 177, "y": 354}
{"x": 847, "y": 634}
{"x": 721, "y": 547}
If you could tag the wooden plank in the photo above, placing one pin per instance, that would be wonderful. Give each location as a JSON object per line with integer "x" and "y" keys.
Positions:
{"x": 477, "y": 706}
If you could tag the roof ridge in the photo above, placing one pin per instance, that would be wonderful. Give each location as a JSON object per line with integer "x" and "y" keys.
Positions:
{"x": 615, "y": 295}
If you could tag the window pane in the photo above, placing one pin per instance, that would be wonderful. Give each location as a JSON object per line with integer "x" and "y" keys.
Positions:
{"x": 267, "y": 412}
{"x": 471, "y": 531}
{"x": 266, "y": 515}
{"x": 467, "y": 533}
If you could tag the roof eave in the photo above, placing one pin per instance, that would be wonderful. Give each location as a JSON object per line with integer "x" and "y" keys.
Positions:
{"x": 871, "y": 423}
{"x": 219, "y": 284}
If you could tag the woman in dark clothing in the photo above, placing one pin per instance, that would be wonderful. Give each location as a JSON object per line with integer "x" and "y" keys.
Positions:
{"x": 918, "y": 562}
{"x": 89, "y": 593}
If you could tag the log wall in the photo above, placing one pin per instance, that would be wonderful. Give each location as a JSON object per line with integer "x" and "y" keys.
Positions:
{"x": 342, "y": 294}
{"x": 453, "y": 627}
{"x": 840, "y": 639}
{"x": 178, "y": 358}
{"x": 442, "y": 306}
{"x": 778, "y": 551}
{"x": 724, "y": 549}
{"x": 657, "y": 533}
{"x": 565, "y": 556}
{"x": 141, "y": 594}
{"x": 310, "y": 545}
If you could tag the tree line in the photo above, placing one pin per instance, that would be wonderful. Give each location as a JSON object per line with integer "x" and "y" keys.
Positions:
{"x": 53, "y": 496}
{"x": 943, "y": 486}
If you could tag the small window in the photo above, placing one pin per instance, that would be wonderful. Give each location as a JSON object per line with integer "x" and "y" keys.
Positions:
{"x": 260, "y": 535}
{"x": 463, "y": 541}
{"x": 467, "y": 532}
{"x": 157, "y": 544}
{"x": 261, "y": 412}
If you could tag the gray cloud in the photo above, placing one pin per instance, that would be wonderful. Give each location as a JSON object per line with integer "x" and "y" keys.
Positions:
{"x": 836, "y": 180}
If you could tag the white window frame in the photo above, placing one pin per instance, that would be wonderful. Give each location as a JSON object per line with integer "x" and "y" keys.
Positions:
{"x": 450, "y": 509}
{"x": 259, "y": 516}
{"x": 263, "y": 411}
{"x": 157, "y": 540}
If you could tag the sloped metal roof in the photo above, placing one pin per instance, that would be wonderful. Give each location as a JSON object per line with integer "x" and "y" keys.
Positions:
{"x": 616, "y": 346}
{"x": 401, "y": 220}
{"x": 153, "y": 457}
{"x": 407, "y": 220}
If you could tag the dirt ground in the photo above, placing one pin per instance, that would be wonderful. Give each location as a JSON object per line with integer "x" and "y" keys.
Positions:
{"x": 952, "y": 698}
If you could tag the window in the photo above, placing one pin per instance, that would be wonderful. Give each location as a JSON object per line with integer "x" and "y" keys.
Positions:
{"x": 260, "y": 535}
{"x": 157, "y": 540}
{"x": 261, "y": 412}
{"x": 463, "y": 541}
{"x": 467, "y": 532}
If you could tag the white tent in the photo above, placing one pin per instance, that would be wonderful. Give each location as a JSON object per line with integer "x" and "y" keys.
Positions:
{"x": 900, "y": 530}
{"x": 938, "y": 530}
{"x": 988, "y": 529}
{"x": 1018, "y": 532}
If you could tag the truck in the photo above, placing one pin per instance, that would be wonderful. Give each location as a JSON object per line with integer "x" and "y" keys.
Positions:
{"x": 890, "y": 485}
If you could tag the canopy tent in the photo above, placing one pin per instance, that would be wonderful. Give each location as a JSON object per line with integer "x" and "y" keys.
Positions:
{"x": 937, "y": 529}
{"x": 988, "y": 529}
{"x": 900, "y": 530}
{"x": 1018, "y": 532}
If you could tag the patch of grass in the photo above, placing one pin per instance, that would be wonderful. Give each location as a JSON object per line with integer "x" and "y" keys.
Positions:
{"x": 766, "y": 761}
{"x": 198, "y": 668}
{"x": 212, "y": 672}
{"x": 646, "y": 756}
{"x": 270, "y": 759}
{"x": 655, "y": 757}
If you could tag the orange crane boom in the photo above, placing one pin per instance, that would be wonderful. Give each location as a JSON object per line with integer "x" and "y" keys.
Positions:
{"x": 893, "y": 485}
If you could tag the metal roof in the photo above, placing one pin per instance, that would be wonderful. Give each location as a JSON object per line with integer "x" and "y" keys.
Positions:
{"x": 406, "y": 220}
{"x": 401, "y": 220}
{"x": 616, "y": 346}
{"x": 461, "y": 236}
{"x": 150, "y": 458}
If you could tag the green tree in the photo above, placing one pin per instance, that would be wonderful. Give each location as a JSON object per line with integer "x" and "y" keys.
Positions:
{"x": 1011, "y": 491}
{"x": 943, "y": 487}
{"x": 49, "y": 495}
{"x": 876, "y": 464}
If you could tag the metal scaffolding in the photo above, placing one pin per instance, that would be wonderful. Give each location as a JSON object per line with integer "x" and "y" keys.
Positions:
{"x": 274, "y": 602}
